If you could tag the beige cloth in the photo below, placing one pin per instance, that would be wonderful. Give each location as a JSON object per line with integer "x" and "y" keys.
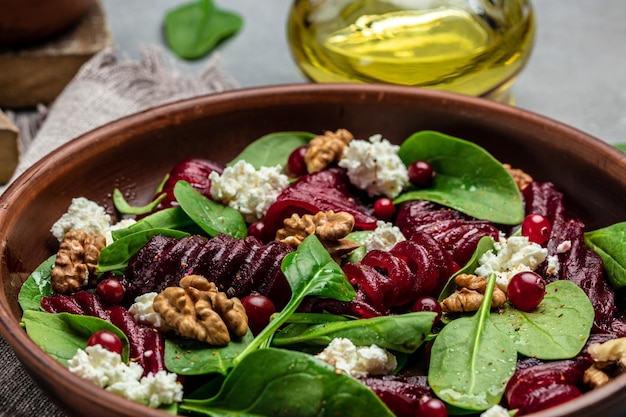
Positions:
{"x": 105, "y": 89}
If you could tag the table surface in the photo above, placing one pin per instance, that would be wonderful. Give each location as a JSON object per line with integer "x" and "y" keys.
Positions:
{"x": 576, "y": 73}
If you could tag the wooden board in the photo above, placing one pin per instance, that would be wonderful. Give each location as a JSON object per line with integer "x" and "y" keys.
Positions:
{"x": 37, "y": 74}
{"x": 8, "y": 148}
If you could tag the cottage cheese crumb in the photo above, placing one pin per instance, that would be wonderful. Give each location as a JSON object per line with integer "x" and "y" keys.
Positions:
{"x": 122, "y": 224}
{"x": 564, "y": 246}
{"x": 106, "y": 369}
{"x": 82, "y": 214}
{"x": 358, "y": 361}
{"x": 375, "y": 166}
{"x": 142, "y": 310}
{"x": 553, "y": 265}
{"x": 384, "y": 237}
{"x": 248, "y": 190}
{"x": 512, "y": 255}
{"x": 496, "y": 411}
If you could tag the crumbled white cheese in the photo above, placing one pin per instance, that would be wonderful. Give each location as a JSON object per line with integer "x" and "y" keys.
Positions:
{"x": 553, "y": 266}
{"x": 106, "y": 369}
{"x": 384, "y": 237}
{"x": 564, "y": 246}
{"x": 358, "y": 361}
{"x": 122, "y": 224}
{"x": 142, "y": 310}
{"x": 82, "y": 214}
{"x": 248, "y": 190}
{"x": 375, "y": 166}
{"x": 496, "y": 411}
{"x": 512, "y": 255}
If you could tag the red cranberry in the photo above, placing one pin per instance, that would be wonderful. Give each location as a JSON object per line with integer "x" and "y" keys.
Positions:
{"x": 108, "y": 340}
{"x": 259, "y": 309}
{"x": 257, "y": 229}
{"x": 421, "y": 174}
{"x": 526, "y": 290}
{"x": 110, "y": 290}
{"x": 431, "y": 407}
{"x": 537, "y": 228}
{"x": 427, "y": 303}
{"x": 384, "y": 208}
{"x": 295, "y": 163}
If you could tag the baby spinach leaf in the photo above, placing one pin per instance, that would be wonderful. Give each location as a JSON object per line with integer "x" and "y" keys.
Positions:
{"x": 609, "y": 243}
{"x": 471, "y": 360}
{"x": 212, "y": 217}
{"x": 468, "y": 178}
{"x": 123, "y": 207}
{"x": 273, "y": 149}
{"x": 37, "y": 286}
{"x": 193, "y": 29}
{"x": 62, "y": 334}
{"x": 191, "y": 357}
{"x": 282, "y": 382}
{"x": 169, "y": 218}
{"x": 310, "y": 270}
{"x": 402, "y": 333}
{"x": 115, "y": 257}
{"x": 557, "y": 329}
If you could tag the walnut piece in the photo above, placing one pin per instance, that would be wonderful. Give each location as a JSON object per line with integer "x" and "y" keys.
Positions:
{"x": 197, "y": 310}
{"x": 521, "y": 178}
{"x": 76, "y": 261}
{"x": 328, "y": 226}
{"x": 469, "y": 295}
{"x": 610, "y": 361}
{"x": 326, "y": 149}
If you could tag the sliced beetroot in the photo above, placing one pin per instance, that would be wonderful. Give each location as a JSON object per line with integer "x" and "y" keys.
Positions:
{"x": 547, "y": 397}
{"x": 83, "y": 303}
{"x": 401, "y": 394}
{"x": 322, "y": 191}
{"x": 579, "y": 263}
{"x": 236, "y": 266}
{"x": 196, "y": 172}
{"x": 457, "y": 233}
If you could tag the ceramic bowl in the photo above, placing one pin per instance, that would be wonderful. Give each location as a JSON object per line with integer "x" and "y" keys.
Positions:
{"x": 135, "y": 152}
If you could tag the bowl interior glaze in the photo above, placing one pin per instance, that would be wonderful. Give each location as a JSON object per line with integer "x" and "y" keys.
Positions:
{"x": 134, "y": 153}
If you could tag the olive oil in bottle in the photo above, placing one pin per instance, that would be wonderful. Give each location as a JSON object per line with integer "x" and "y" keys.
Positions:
{"x": 475, "y": 47}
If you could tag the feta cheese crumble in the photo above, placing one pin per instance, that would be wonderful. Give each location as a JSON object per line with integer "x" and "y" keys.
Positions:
{"x": 106, "y": 369}
{"x": 248, "y": 190}
{"x": 512, "y": 255}
{"x": 375, "y": 166}
{"x": 142, "y": 310}
{"x": 82, "y": 214}
{"x": 384, "y": 237}
{"x": 496, "y": 411}
{"x": 358, "y": 361}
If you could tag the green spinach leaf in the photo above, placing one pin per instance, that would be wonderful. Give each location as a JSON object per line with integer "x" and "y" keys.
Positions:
{"x": 212, "y": 217}
{"x": 557, "y": 329}
{"x": 191, "y": 357}
{"x": 115, "y": 257}
{"x": 193, "y": 29}
{"x": 402, "y": 333}
{"x": 62, "y": 334}
{"x": 169, "y": 218}
{"x": 310, "y": 270}
{"x": 123, "y": 207}
{"x": 37, "y": 286}
{"x": 468, "y": 178}
{"x": 610, "y": 243}
{"x": 273, "y": 149}
{"x": 471, "y": 360}
{"x": 282, "y": 382}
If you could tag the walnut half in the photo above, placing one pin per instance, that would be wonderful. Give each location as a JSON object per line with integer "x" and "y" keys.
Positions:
{"x": 197, "y": 310}
{"x": 326, "y": 149}
{"x": 76, "y": 261}
{"x": 470, "y": 294}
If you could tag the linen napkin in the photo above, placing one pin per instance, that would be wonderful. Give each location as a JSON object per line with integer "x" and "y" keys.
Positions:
{"x": 106, "y": 88}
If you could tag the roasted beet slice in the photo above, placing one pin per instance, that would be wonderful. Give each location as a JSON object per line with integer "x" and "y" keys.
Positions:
{"x": 196, "y": 172}
{"x": 322, "y": 191}
{"x": 236, "y": 266}
{"x": 457, "y": 233}
{"x": 579, "y": 263}
{"x": 401, "y": 394}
